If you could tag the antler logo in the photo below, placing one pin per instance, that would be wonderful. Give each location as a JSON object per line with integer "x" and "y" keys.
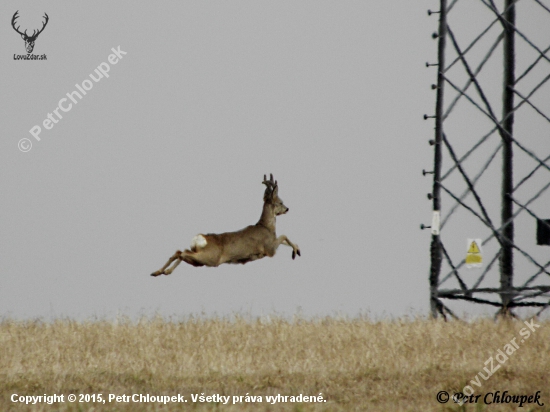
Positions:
{"x": 29, "y": 40}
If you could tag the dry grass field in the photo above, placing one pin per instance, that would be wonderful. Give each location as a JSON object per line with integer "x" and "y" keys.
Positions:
{"x": 355, "y": 364}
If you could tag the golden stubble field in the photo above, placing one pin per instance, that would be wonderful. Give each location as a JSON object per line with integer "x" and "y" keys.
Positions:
{"x": 355, "y": 364}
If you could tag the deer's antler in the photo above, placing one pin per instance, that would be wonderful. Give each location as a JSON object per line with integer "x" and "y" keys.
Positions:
{"x": 271, "y": 184}
{"x": 43, "y": 26}
{"x": 271, "y": 187}
{"x": 15, "y": 16}
{"x": 35, "y": 33}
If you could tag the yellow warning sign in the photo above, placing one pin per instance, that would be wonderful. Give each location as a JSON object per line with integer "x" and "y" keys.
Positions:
{"x": 473, "y": 248}
{"x": 474, "y": 257}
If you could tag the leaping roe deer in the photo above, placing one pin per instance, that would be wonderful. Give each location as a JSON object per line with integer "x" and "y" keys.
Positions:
{"x": 248, "y": 244}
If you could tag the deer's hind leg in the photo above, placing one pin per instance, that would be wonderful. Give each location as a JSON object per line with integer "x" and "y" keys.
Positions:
{"x": 171, "y": 269}
{"x": 185, "y": 256}
{"x": 162, "y": 271}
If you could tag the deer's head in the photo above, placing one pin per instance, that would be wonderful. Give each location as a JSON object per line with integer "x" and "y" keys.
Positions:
{"x": 29, "y": 40}
{"x": 271, "y": 196}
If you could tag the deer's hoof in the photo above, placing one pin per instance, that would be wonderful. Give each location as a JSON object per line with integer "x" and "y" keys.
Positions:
{"x": 156, "y": 274}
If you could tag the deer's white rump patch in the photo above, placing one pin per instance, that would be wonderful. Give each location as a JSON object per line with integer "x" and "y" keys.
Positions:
{"x": 198, "y": 242}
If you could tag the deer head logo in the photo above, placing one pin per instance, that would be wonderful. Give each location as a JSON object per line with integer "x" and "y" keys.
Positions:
{"x": 29, "y": 40}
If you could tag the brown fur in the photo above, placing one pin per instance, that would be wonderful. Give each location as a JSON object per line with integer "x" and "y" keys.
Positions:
{"x": 248, "y": 244}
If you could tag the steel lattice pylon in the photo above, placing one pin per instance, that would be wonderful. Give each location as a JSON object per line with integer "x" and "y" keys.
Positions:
{"x": 491, "y": 153}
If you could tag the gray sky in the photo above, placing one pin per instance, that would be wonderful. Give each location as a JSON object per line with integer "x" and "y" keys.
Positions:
{"x": 209, "y": 97}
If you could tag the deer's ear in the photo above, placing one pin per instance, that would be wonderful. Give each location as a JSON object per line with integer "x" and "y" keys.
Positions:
{"x": 276, "y": 191}
{"x": 23, "y": 36}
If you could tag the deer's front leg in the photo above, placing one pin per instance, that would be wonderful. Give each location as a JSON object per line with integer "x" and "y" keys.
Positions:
{"x": 284, "y": 240}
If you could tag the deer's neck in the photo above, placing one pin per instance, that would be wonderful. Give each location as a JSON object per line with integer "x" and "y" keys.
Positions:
{"x": 268, "y": 218}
